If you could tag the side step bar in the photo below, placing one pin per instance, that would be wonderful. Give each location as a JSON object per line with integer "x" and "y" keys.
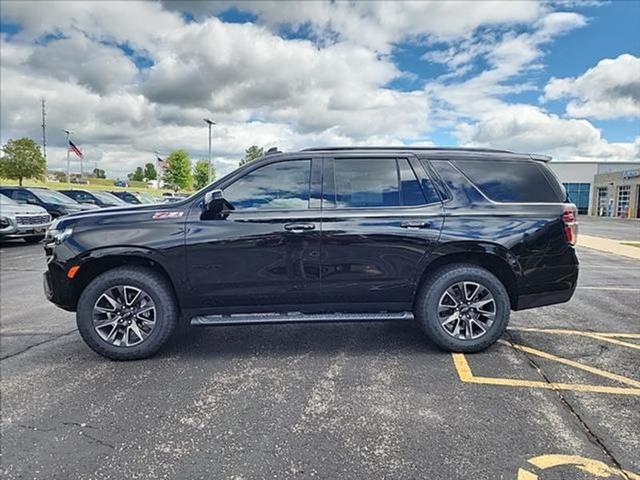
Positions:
{"x": 297, "y": 317}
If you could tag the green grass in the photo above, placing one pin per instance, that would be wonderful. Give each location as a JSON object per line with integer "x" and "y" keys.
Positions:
{"x": 631, "y": 244}
{"x": 96, "y": 184}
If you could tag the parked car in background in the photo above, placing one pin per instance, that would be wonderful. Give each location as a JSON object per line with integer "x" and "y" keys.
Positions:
{"x": 101, "y": 199}
{"x": 52, "y": 201}
{"x": 120, "y": 183}
{"x": 134, "y": 198}
{"x": 453, "y": 238}
{"x": 29, "y": 222}
{"x": 173, "y": 198}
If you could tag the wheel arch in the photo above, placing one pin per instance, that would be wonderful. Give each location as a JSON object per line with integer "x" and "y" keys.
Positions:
{"x": 494, "y": 258}
{"x": 99, "y": 261}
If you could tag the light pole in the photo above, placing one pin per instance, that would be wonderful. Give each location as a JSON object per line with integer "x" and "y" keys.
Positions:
{"x": 210, "y": 123}
{"x": 68, "y": 132}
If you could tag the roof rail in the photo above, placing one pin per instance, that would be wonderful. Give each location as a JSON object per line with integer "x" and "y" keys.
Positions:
{"x": 272, "y": 150}
{"x": 540, "y": 157}
{"x": 405, "y": 147}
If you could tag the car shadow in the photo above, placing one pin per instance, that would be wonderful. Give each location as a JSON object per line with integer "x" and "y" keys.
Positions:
{"x": 244, "y": 341}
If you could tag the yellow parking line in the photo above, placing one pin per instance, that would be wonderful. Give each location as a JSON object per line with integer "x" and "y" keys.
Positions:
{"x": 465, "y": 374}
{"x": 571, "y": 363}
{"x": 605, "y": 337}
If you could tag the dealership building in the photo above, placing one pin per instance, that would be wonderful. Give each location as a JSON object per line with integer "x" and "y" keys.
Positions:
{"x": 610, "y": 189}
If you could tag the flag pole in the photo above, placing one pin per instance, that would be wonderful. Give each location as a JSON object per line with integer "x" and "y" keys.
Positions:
{"x": 68, "y": 162}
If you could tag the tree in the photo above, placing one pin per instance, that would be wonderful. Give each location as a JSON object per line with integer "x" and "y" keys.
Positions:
{"x": 201, "y": 174}
{"x": 99, "y": 173}
{"x": 251, "y": 154}
{"x": 150, "y": 172}
{"x": 22, "y": 159}
{"x": 137, "y": 175}
{"x": 177, "y": 173}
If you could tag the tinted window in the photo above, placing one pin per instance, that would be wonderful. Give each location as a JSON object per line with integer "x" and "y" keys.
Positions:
{"x": 282, "y": 185}
{"x": 385, "y": 182}
{"x": 365, "y": 182}
{"x": 505, "y": 181}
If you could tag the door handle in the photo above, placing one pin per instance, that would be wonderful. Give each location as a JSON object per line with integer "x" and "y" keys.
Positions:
{"x": 299, "y": 227}
{"x": 415, "y": 224}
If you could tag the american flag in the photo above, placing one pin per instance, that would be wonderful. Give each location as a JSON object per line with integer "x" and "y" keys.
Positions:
{"x": 161, "y": 163}
{"x": 74, "y": 149}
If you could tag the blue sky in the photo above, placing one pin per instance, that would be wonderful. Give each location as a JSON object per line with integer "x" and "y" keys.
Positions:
{"x": 131, "y": 78}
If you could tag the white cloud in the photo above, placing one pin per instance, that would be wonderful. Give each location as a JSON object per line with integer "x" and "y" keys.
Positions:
{"x": 529, "y": 129}
{"x": 611, "y": 89}
{"x": 101, "y": 68}
{"x": 331, "y": 85}
{"x": 380, "y": 24}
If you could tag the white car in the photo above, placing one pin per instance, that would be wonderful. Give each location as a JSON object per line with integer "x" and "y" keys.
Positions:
{"x": 22, "y": 221}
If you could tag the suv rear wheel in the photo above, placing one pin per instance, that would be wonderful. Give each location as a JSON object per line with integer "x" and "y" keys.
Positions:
{"x": 463, "y": 308}
{"x": 127, "y": 313}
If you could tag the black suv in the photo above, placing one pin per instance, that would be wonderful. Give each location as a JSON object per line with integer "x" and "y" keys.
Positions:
{"x": 454, "y": 238}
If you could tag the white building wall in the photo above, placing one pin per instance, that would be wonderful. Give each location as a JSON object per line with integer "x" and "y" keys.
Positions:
{"x": 583, "y": 172}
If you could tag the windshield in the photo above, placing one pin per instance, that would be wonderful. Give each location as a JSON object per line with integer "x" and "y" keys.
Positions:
{"x": 108, "y": 198}
{"x": 4, "y": 200}
{"x": 51, "y": 196}
{"x": 145, "y": 198}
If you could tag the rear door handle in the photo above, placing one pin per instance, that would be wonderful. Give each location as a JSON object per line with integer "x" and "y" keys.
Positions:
{"x": 299, "y": 227}
{"x": 415, "y": 224}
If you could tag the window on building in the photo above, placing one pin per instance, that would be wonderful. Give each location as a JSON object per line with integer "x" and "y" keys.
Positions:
{"x": 624, "y": 195}
{"x": 603, "y": 201}
{"x": 578, "y": 194}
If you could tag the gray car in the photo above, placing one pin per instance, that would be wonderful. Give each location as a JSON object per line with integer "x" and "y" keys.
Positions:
{"x": 22, "y": 221}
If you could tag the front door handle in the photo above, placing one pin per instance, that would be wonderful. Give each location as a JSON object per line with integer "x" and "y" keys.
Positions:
{"x": 299, "y": 227}
{"x": 415, "y": 224}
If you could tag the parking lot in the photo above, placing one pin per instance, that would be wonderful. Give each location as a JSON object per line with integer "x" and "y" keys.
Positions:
{"x": 558, "y": 398}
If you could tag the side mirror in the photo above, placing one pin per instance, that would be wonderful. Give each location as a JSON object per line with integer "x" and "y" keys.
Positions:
{"x": 213, "y": 205}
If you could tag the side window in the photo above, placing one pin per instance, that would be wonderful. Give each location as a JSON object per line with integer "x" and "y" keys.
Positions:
{"x": 277, "y": 186}
{"x": 509, "y": 181}
{"x": 365, "y": 182}
{"x": 379, "y": 182}
{"x": 411, "y": 191}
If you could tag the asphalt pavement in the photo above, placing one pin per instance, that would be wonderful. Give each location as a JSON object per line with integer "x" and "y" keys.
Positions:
{"x": 558, "y": 398}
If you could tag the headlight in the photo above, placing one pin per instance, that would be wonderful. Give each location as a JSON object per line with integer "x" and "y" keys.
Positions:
{"x": 4, "y": 222}
{"x": 56, "y": 235}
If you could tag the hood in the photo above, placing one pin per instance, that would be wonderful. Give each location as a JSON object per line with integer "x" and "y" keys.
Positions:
{"x": 20, "y": 209}
{"x": 145, "y": 211}
{"x": 74, "y": 207}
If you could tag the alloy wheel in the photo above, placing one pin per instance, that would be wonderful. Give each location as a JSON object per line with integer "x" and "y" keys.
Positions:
{"x": 466, "y": 310}
{"x": 124, "y": 316}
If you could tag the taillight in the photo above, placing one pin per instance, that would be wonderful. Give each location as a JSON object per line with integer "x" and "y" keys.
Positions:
{"x": 570, "y": 219}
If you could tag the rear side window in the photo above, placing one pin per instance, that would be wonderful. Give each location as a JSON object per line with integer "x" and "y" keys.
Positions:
{"x": 505, "y": 181}
{"x": 379, "y": 182}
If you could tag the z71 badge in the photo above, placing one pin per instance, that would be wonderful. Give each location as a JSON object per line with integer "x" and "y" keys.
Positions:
{"x": 162, "y": 215}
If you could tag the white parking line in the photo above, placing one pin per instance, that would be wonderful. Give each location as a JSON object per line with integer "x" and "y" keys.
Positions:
{"x": 613, "y": 289}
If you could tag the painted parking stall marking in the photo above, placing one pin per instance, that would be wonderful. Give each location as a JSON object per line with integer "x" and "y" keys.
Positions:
{"x": 632, "y": 386}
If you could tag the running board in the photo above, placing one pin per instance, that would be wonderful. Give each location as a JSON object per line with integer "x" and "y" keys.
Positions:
{"x": 297, "y": 317}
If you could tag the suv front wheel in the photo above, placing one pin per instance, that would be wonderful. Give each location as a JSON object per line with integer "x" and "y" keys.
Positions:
{"x": 463, "y": 308}
{"x": 127, "y": 313}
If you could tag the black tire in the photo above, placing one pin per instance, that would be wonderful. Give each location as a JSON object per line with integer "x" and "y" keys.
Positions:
{"x": 34, "y": 239}
{"x": 427, "y": 302}
{"x": 145, "y": 279}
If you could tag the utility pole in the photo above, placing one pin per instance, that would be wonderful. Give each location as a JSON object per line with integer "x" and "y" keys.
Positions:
{"x": 68, "y": 163}
{"x": 210, "y": 123}
{"x": 44, "y": 130}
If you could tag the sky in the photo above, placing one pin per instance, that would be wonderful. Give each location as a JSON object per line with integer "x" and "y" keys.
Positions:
{"x": 129, "y": 78}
